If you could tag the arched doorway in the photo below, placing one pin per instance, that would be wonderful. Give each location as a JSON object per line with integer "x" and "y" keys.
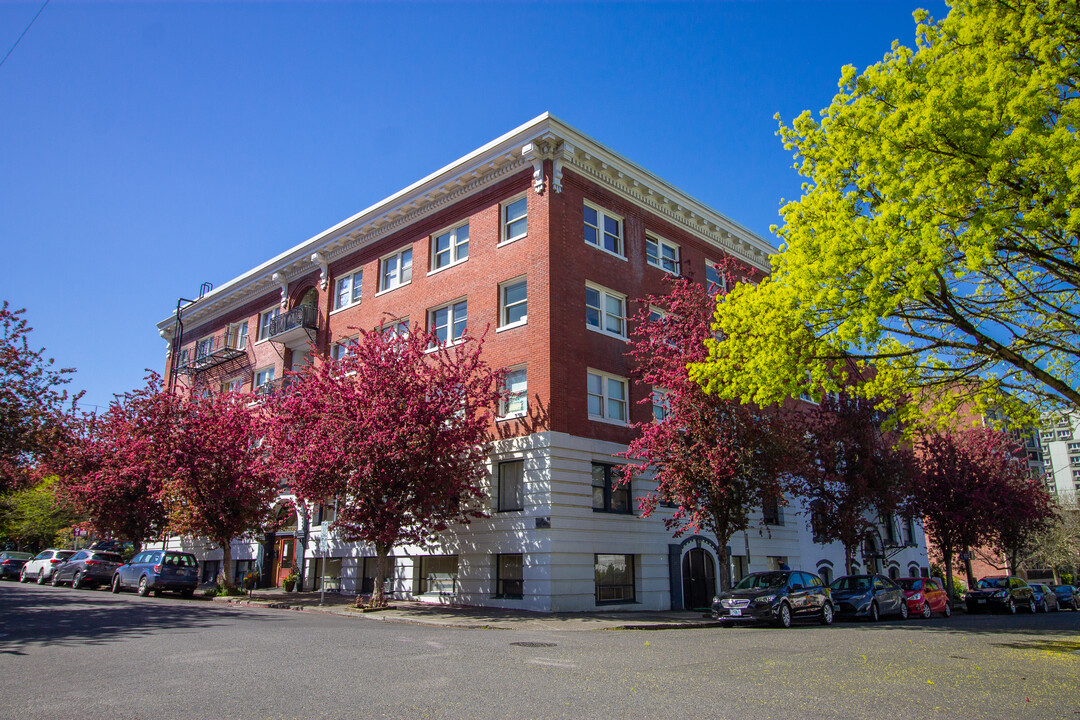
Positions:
{"x": 699, "y": 579}
{"x": 284, "y": 557}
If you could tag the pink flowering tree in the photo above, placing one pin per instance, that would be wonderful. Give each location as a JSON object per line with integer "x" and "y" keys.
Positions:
{"x": 396, "y": 430}
{"x": 219, "y": 484}
{"x": 852, "y": 473}
{"x": 714, "y": 460}
{"x": 108, "y": 469}
{"x": 970, "y": 488}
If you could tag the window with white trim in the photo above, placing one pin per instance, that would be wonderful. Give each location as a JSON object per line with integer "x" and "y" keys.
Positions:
{"x": 509, "y": 576}
{"x": 233, "y": 385}
{"x": 396, "y": 328}
{"x": 715, "y": 283}
{"x": 395, "y": 270}
{"x": 348, "y": 289}
{"x": 204, "y": 347}
{"x": 662, "y": 254}
{"x": 448, "y": 321}
{"x": 661, "y": 404}
{"x": 450, "y": 247}
{"x": 603, "y": 230}
{"x": 236, "y": 335}
{"x": 515, "y": 221}
{"x": 342, "y": 346}
{"x": 611, "y": 493}
{"x": 605, "y": 310}
{"x": 513, "y": 303}
{"x": 265, "y": 318}
{"x": 516, "y": 402}
{"x": 608, "y": 398}
{"x": 264, "y": 376}
{"x": 511, "y": 485}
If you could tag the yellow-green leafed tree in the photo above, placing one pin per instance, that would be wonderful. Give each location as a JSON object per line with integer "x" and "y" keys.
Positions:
{"x": 937, "y": 234}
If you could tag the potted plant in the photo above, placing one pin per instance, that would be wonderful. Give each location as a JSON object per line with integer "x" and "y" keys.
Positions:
{"x": 290, "y": 581}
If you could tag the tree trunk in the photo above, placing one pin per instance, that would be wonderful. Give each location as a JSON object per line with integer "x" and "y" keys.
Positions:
{"x": 137, "y": 547}
{"x": 724, "y": 567}
{"x": 947, "y": 556}
{"x": 968, "y": 569}
{"x": 225, "y": 577}
{"x": 378, "y": 597}
{"x": 849, "y": 559}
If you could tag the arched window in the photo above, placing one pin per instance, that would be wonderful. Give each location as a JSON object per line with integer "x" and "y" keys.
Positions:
{"x": 825, "y": 572}
{"x": 894, "y": 572}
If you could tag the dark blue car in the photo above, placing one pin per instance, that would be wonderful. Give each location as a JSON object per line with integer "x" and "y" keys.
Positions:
{"x": 158, "y": 570}
{"x": 1068, "y": 596}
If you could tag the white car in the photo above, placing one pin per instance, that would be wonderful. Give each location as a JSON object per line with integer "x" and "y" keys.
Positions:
{"x": 41, "y": 566}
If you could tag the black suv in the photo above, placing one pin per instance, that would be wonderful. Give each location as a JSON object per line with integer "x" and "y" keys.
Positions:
{"x": 87, "y": 568}
{"x": 1005, "y": 593}
{"x": 777, "y": 596}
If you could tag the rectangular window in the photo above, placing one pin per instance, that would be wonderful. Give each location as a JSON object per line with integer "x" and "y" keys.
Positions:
{"x": 367, "y": 581}
{"x": 607, "y": 397}
{"x": 395, "y": 270}
{"x": 514, "y": 219}
{"x": 396, "y": 328}
{"x": 605, "y": 310}
{"x": 609, "y": 494}
{"x": 448, "y": 321}
{"x": 508, "y": 576}
{"x": 204, "y": 347}
{"x": 740, "y": 568}
{"x": 662, "y": 254}
{"x": 661, "y": 405}
{"x": 614, "y": 578}
{"x": 264, "y": 322}
{"x": 264, "y": 377}
{"x": 438, "y": 574}
{"x": 450, "y": 247}
{"x": 513, "y": 303}
{"x": 771, "y": 512}
{"x": 348, "y": 289}
{"x": 236, "y": 336}
{"x": 714, "y": 282}
{"x": 516, "y": 402}
{"x": 234, "y": 385}
{"x": 341, "y": 347}
{"x": 511, "y": 485}
{"x": 603, "y": 230}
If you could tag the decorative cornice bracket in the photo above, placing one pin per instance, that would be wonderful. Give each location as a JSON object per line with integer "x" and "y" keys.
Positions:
{"x": 565, "y": 152}
{"x": 283, "y": 283}
{"x": 324, "y": 269}
{"x": 533, "y": 154}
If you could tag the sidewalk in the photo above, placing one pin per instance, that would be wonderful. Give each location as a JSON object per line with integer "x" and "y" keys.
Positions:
{"x": 457, "y": 616}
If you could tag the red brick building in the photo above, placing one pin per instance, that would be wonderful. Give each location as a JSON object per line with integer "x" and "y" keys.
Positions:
{"x": 547, "y": 239}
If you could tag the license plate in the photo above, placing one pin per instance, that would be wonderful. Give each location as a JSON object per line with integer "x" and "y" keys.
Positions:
{"x": 736, "y": 612}
{"x": 980, "y": 601}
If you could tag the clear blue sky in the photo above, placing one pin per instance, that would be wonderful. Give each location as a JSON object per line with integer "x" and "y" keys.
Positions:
{"x": 146, "y": 148}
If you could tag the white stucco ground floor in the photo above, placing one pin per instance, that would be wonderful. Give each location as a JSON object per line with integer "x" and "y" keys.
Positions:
{"x": 560, "y": 537}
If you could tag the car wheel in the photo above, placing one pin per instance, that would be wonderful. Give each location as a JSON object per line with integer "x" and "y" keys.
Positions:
{"x": 116, "y": 584}
{"x": 904, "y": 611}
{"x": 22, "y": 576}
{"x": 827, "y": 616}
{"x": 1044, "y": 607}
{"x": 1076, "y": 606}
{"x": 1031, "y": 606}
{"x": 40, "y": 577}
{"x": 54, "y": 579}
{"x": 77, "y": 581}
{"x": 875, "y": 614}
{"x": 1011, "y": 607}
{"x": 144, "y": 587}
{"x": 947, "y": 612}
{"x": 783, "y": 616}
{"x": 926, "y": 611}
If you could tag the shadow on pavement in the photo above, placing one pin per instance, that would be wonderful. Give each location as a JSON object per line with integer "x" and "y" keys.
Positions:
{"x": 60, "y": 616}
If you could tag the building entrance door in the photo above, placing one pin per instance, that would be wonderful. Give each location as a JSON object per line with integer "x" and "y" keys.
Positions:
{"x": 699, "y": 579}
{"x": 284, "y": 557}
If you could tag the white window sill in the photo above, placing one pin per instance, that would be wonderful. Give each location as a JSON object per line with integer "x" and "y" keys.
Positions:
{"x": 511, "y": 326}
{"x": 608, "y": 421}
{"x": 674, "y": 273}
{"x": 443, "y": 346}
{"x": 607, "y": 334}
{"x": 389, "y": 290}
{"x": 345, "y": 307}
{"x": 607, "y": 252}
{"x": 462, "y": 261}
{"x": 510, "y": 240}
{"x": 515, "y": 416}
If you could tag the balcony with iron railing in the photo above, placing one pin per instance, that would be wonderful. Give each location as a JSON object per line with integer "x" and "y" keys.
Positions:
{"x": 297, "y": 325}
{"x": 212, "y": 352}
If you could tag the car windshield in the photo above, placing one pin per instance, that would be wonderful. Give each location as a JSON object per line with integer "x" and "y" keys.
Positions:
{"x": 763, "y": 580}
{"x": 851, "y": 583}
{"x": 1002, "y": 583}
{"x": 910, "y": 583}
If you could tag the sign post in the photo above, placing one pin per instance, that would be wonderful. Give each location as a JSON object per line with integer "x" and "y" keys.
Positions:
{"x": 324, "y": 548}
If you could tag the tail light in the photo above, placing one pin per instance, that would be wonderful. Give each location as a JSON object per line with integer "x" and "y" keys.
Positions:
{"x": 157, "y": 568}
{"x": 94, "y": 562}
{"x": 56, "y": 560}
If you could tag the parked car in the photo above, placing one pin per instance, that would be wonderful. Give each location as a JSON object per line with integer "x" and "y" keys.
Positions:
{"x": 1004, "y": 593}
{"x": 158, "y": 570}
{"x": 1067, "y": 596}
{"x": 925, "y": 596}
{"x": 1045, "y": 599}
{"x": 778, "y": 596}
{"x": 11, "y": 563}
{"x": 41, "y": 566}
{"x": 868, "y": 596}
{"x": 86, "y": 568}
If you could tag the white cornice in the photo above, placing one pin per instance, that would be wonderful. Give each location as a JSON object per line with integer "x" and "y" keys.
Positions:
{"x": 545, "y": 137}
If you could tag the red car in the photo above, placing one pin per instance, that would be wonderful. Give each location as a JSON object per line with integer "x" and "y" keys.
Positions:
{"x": 925, "y": 597}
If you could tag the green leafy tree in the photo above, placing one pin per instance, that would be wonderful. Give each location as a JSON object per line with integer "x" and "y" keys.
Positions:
{"x": 33, "y": 517}
{"x": 937, "y": 233}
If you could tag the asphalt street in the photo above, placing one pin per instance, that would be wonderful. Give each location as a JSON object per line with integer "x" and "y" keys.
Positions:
{"x": 88, "y": 654}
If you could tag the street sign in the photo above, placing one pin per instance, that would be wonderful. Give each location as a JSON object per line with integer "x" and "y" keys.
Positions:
{"x": 324, "y": 537}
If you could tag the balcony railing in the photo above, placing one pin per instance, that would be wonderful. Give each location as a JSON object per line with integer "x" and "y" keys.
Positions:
{"x": 218, "y": 352}
{"x": 299, "y": 323}
{"x": 275, "y": 387}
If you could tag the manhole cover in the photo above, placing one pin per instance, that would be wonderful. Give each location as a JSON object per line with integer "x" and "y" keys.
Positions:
{"x": 533, "y": 644}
